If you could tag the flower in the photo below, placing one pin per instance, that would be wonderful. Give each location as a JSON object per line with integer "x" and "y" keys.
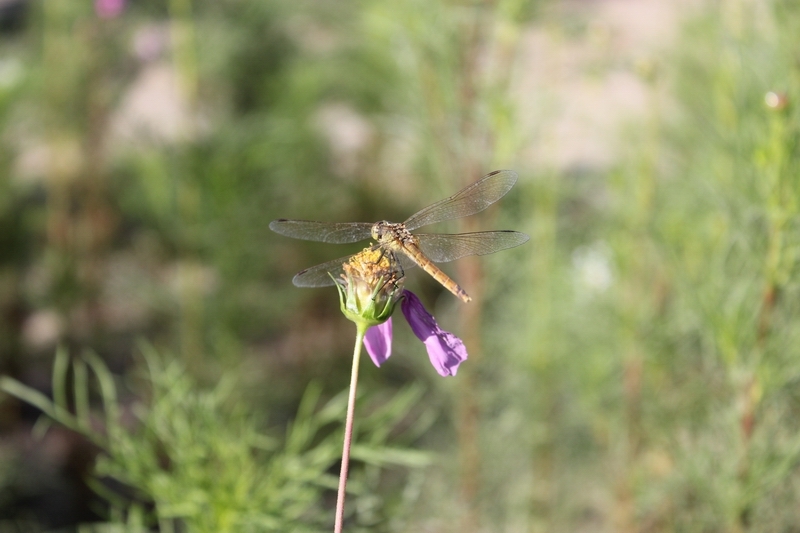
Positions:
{"x": 369, "y": 287}
{"x": 445, "y": 350}
{"x": 109, "y": 9}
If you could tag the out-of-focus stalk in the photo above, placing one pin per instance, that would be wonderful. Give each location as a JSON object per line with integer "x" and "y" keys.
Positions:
{"x": 184, "y": 55}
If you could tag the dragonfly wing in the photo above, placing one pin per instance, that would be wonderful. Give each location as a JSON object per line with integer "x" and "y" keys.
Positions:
{"x": 441, "y": 248}
{"x": 467, "y": 201}
{"x": 405, "y": 261}
{"x": 324, "y": 274}
{"x": 320, "y": 275}
{"x": 330, "y": 232}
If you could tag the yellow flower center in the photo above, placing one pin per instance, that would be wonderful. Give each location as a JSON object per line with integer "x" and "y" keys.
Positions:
{"x": 371, "y": 267}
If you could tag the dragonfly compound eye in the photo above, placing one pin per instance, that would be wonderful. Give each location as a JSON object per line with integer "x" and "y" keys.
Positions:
{"x": 379, "y": 230}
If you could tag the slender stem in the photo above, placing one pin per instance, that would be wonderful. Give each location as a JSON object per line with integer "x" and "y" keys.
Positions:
{"x": 348, "y": 430}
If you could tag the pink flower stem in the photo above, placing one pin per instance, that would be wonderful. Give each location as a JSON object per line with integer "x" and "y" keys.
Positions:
{"x": 348, "y": 430}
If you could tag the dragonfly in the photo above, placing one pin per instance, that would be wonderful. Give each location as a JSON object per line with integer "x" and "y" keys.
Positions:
{"x": 413, "y": 249}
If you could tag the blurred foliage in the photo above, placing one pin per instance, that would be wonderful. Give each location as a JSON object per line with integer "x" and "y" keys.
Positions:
{"x": 193, "y": 458}
{"x": 659, "y": 389}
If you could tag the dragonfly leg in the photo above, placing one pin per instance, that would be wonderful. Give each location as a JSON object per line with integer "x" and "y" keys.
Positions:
{"x": 395, "y": 280}
{"x": 398, "y": 272}
{"x": 384, "y": 251}
{"x": 401, "y": 272}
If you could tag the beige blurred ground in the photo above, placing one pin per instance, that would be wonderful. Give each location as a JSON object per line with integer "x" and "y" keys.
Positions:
{"x": 579, "y": 88}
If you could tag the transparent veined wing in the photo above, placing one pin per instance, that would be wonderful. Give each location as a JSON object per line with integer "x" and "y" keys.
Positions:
{"x": 467, "y": 201}
{"x": 330, "y": 232}
{"x": 323, "y": 274}
{"x": 441, "y": 248}
{"x": 320, "y": 275}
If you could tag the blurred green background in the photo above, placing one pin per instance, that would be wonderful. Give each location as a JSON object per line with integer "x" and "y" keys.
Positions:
{"x": 635, "y": 367}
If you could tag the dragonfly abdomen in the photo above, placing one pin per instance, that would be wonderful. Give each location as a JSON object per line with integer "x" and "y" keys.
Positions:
{"x": 427, "y": 265}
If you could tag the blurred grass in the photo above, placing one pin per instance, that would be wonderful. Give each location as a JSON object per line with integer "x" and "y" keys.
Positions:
{"x": 196, "y": 459}
{"x": 632, "y": 369}
{"x": 653, "y": 402}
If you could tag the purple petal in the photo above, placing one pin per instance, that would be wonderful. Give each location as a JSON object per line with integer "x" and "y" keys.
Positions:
{"x": 446, "y": 351}
{"x": 378, "y": 342}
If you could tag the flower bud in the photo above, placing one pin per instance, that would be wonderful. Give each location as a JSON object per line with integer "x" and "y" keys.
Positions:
{"x": 370, "y": 286}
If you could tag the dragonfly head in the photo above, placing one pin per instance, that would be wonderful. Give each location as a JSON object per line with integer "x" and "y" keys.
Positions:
{"x": 380, "y": 229}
